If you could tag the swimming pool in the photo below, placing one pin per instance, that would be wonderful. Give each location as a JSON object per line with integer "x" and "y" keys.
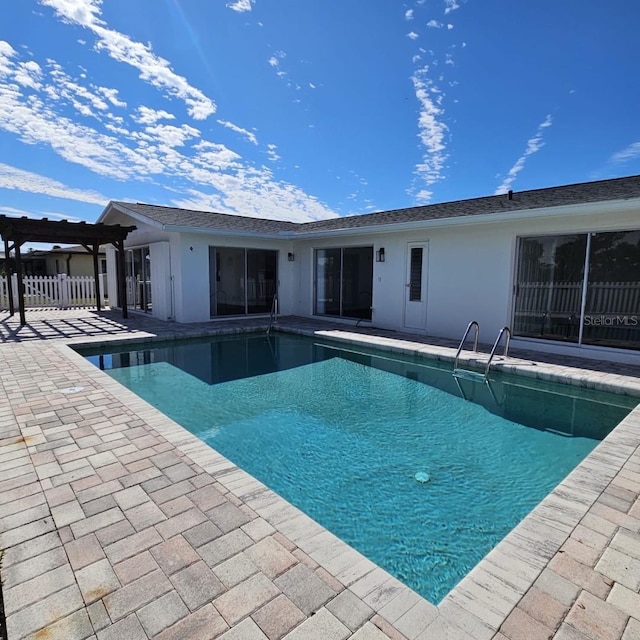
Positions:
{"x": 343, "y": 433}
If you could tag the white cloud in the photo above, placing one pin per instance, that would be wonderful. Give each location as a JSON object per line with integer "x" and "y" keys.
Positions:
{"x": 434, "y": 24}
{"x": 271, "y": 152}
{"x": 112, "y": 96}
{"x": 21, "y": 180}
{"x": 146, "y": 115}
{"x": 408, "y": 15}
{"x": 413, "y": 35}
{"x": 153, "y": 69}
{"x": 449, "y": 26}
{"x": 240, "y": 5}
{"x": 21, "y": 213}
{"x": 312, "y": 86}
{"x": 431, "y": 131}
{"x": 275, "y": 60}
{"x": 450, "y": 5}
{"x": 29, "y": 74}
{"x": 534, "y": 145}
{"x": 140, "y": 147}
{"x": 249, "y": 135}
{"x": 627, "y": 154}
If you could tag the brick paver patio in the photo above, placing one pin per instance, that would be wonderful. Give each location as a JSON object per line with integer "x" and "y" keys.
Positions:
{"x": 119, "y": 524}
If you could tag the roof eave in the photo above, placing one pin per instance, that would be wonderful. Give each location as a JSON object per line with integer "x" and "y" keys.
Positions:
{"x": 589, "y": 208}
{"x": 279, "y": 235}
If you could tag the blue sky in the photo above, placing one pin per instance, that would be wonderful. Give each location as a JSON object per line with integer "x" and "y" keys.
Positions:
{"x": 302, "y": 110}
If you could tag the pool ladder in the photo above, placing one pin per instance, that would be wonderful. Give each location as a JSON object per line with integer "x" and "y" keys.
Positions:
{"x": 274, "y": 313}
{"x": 476, "y": 375}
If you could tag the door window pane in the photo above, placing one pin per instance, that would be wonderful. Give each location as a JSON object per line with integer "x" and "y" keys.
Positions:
{"x": 357, "y": 282}
{"x": 138, "y": 281}
{"x": 612, "y": 311}
{"x": 328, "y": 281}
{"x": 230, "y": 281}
{"x": 261, "y": 280}
{"x": 415, "y": 275}
{"x": 549, "y": 287}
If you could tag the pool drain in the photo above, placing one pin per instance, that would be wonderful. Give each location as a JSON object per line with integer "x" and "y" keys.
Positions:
{"x": 69, "y": 390}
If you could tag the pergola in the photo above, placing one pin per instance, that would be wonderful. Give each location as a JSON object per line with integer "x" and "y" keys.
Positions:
{"x": 16, "y": 231}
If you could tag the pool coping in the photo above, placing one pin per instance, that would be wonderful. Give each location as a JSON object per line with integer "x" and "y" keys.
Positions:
{"x": 480, "y": 603}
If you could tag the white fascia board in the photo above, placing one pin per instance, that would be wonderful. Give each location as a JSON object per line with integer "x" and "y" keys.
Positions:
{"x": 281, "y": 235}
{"x": 601, "y": 207}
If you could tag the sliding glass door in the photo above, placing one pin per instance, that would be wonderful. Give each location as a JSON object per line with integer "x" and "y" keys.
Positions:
{"x": 138, "y": 270}
{"x": 612, "y": 305}
{"x": 241, "y": 281}
{"x": 580, "y": 288}
{"x": 344, "y": 282}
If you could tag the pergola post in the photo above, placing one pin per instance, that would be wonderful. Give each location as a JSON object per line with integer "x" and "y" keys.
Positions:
{"x": 7, "y": 268}
{"x": 93, "y": 249}
{"x": 23, "y": 319}
{"x": 122, "y": 282}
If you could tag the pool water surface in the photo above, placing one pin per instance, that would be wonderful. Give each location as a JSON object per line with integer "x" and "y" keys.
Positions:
{"x": 420, "y": 472}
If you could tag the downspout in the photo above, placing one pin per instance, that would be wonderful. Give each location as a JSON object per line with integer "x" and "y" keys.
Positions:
{"x": 69, "y": 256}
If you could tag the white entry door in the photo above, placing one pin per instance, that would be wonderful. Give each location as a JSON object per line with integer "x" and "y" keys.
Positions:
{"x": 415, "y": 301}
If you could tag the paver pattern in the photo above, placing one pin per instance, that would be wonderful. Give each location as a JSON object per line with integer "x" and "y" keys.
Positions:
{"x": 119, "y": 524}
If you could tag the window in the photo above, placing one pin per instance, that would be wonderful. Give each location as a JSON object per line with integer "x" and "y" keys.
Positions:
{"x": 241, "y": 281}
{"x": 344, "y": 282}
{"x": 582, "y": 288}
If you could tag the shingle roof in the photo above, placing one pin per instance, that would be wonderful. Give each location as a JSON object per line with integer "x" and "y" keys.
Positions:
{"x": 585, "y": 192}
{"x": 207, "y": 219}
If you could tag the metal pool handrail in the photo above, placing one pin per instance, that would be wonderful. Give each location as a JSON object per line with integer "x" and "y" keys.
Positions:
{"x": 473, "y": 323}
{"x": 495, "y": 346}
{"x": 274, "y": 313}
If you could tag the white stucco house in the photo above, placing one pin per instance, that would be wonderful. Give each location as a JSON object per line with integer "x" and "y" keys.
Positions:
{"x": 560, "y": 266}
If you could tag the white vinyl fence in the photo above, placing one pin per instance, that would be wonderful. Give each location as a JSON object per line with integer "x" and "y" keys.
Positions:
{"x": 59, "y": 292}
{"x": 565, "y": 297}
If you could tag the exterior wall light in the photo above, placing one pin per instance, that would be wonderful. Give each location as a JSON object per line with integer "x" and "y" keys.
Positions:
{"x": 290, "y": 257}
{"x": 380, "y": 255}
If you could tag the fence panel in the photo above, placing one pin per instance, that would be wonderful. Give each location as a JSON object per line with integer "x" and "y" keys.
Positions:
{"x": 59, "y": 292}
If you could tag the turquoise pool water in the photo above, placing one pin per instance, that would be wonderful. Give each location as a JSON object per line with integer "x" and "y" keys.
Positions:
{"x": 342, "y": 433}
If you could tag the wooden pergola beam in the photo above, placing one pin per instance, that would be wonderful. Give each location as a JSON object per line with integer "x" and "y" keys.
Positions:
{"x": 90, "y": 236}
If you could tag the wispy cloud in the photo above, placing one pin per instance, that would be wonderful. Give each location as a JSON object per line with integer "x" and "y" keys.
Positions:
{"x": 141, "y": 145}
{"x": 21, "y": 180}
{"x": 275, "y": 61}
{"x": 450, "y": 5}
{"x": 249, "y": 135}
{"x": 408, "y": 14}
{"x": 271, "y": 152}
{"x": 21, "y": 213}
{"x": 533, "y": 146}
{"x": 153, "y": 69}
{"x": 240, "y": 5}
{"x": 413, "y": 35}
{"x": 632, "y": 152}
{"x": 434, "y": 24}
{"x": 146, "y": 115}
{"x": 432, "y": 131}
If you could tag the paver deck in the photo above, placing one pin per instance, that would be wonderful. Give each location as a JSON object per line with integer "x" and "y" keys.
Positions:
{"x": 119, "y": 524}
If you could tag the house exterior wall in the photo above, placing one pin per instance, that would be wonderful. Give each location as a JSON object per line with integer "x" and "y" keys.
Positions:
{"x": 471, "y": 270}
{"x": 190, "y": 254}
{"x": 81, "y": 264}
{"x": 471, "y": 273}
